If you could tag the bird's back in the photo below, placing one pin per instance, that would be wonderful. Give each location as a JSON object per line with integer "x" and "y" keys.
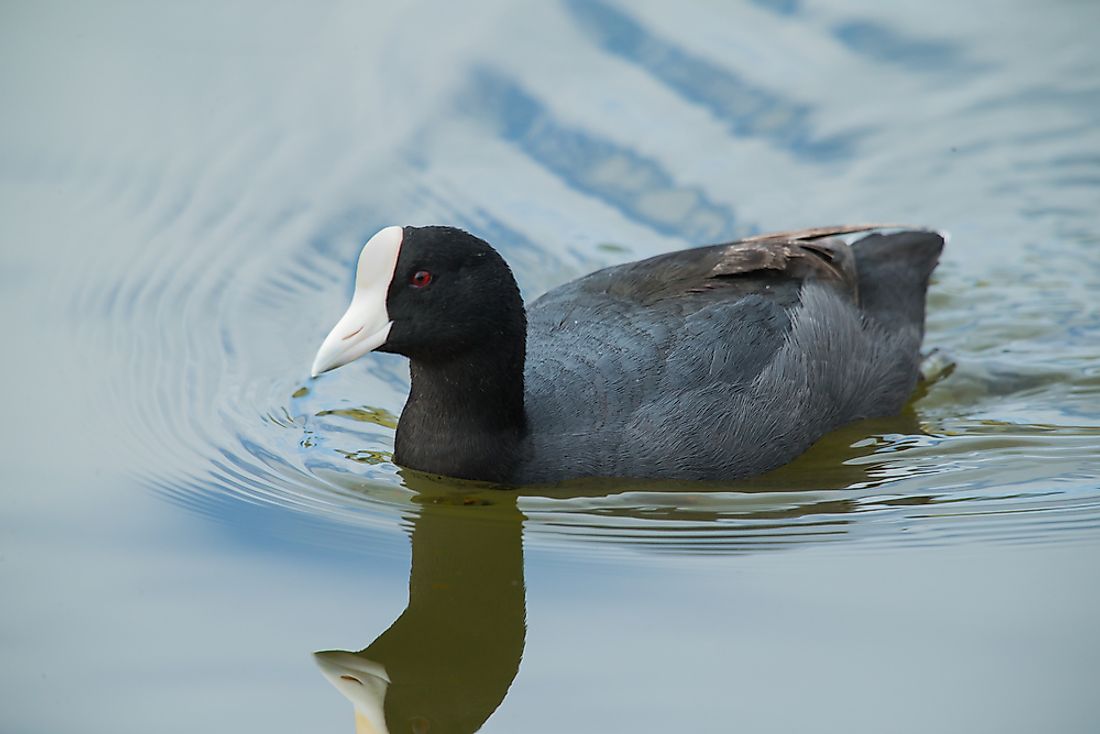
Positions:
{"x": 723, "y": 361}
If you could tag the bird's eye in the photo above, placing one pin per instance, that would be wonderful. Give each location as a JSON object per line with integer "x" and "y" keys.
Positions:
{"x": 420, "y": 279}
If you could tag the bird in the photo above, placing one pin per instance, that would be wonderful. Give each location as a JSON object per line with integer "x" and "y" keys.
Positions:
{"x": 714, "y": 363}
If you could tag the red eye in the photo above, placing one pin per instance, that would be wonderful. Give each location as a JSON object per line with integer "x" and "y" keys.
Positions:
{"x": 420, "y": 279}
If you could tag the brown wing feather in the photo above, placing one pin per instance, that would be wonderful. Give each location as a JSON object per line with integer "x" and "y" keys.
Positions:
{"x": 801, "y": 254}
{"x": 798, "y": 235}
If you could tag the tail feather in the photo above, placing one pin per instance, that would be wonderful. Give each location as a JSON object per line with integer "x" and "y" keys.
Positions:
{"x": 893, "y": 270}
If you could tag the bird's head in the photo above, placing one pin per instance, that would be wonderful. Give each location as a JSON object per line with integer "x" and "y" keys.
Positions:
{"x": 428, "y": 293}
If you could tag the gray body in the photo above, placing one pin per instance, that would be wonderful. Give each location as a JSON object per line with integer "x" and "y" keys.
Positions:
{"x": 722, "y": 362}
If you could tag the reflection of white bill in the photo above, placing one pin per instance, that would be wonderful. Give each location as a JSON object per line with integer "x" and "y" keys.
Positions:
{"x": 363, "y": 682}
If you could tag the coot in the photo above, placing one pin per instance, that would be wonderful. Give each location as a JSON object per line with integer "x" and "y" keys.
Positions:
{"x": 719, "y": 362}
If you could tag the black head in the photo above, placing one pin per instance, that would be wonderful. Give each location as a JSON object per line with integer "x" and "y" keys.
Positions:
{"x": 451, "y": 293}
{"x": 431, "y": 294}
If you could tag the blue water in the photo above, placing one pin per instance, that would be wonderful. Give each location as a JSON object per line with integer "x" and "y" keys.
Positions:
{"x": 186, "y": 517}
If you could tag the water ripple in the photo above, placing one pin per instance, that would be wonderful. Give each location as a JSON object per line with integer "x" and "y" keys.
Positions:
{"x": 638, "y": 187}
{"x": 750, "y": 110}
{"x": 891, "y": 46}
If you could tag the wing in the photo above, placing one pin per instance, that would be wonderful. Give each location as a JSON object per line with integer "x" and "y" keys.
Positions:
{"x": 754, "y": 265}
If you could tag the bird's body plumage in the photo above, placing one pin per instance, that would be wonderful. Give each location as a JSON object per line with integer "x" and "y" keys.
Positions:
{"x": 722, "y": 361}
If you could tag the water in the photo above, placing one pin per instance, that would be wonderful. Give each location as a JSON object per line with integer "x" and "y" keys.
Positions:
{"x": 187, "y": 517}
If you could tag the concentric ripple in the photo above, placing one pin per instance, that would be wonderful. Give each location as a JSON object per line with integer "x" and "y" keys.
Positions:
{"x": 224, "y": 265}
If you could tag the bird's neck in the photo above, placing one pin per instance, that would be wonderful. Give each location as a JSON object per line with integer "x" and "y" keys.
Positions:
{"x": 464, "y": 417}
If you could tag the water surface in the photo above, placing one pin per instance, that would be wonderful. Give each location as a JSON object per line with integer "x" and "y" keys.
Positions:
{"x": 187, "y": 517}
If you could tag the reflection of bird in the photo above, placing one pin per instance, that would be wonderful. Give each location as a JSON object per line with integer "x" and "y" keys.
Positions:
{"x": 446, "y": 663}
{"x": 363, "y": 682}
{"x": 712, "y": 363}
